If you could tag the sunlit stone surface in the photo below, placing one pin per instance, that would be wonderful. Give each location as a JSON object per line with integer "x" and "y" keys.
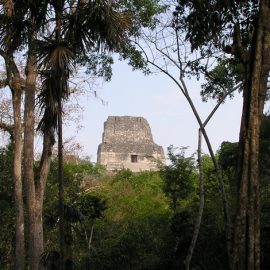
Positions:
{"x": 128, "y": 143}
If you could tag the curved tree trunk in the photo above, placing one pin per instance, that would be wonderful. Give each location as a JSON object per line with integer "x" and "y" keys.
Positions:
{"x": 45, "y": 162}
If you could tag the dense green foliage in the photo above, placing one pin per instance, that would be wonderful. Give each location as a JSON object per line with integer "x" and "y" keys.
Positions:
{"x": 179, "y": 179}
{"x": 135, "y": 229}
{"x": 134, "y": 220}
{"x": 222, "y": 19}
{"x": 7, "y": 235}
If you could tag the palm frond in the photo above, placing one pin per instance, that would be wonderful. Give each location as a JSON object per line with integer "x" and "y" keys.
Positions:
{"x": 54, "y": 54}
{"x": 75, "y": 30}
{"x": 47, "y": 102}
{"x": 56, "y": 62}
{"x": 13, "y": 32}
{"x": 107, "y": 24}
{"x": 35, "y": 11}
{"x": 18, "y": 19}
{"x": 97, "y": 24}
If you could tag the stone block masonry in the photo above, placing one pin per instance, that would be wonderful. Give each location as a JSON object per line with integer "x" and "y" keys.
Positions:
{"x": 127, "y": 142}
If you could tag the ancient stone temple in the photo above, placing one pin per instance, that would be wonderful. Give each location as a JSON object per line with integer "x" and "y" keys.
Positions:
{"x": 128, "y": 143}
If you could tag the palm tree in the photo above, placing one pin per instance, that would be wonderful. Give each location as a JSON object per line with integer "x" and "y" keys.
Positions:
{"x": 88, "y": 25}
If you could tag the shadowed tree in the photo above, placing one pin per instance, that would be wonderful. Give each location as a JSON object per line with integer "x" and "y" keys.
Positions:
{"x": 241, "y": 30}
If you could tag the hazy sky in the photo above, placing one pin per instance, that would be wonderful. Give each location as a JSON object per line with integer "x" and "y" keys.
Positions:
{"x": 156, "y": 98}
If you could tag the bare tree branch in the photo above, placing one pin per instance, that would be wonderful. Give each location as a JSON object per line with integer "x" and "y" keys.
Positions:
{"x": 161, "y": 57}
{"x": 152, "y": 62}
{"x": 220, "y": 102}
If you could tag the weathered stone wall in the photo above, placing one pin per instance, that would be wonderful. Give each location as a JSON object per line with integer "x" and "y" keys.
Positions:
{"x": 128, "y": 143}
{"x": 126, "y": 129}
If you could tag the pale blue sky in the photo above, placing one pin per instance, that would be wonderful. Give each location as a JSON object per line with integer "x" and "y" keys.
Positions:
{"x": 156, "y": 98}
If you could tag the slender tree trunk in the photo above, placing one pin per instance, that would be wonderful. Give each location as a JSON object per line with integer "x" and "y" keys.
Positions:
{"x": 184, "y": 90}
{"x": 201, "y": 206}
{"x": 29, "y": 124}
{"x": 17, "y": 175}
{"x": 247, "y": 225}
{"x": 61, "y": 190}
{"x": 60, "y": 89}
{"x": 227, "y": 218}
{"x": 16, "y": 85}
{"x": 48, "y": 141}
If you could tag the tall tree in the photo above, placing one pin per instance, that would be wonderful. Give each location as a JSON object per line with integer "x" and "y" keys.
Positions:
{"x": 241, "y": 29}
{"x": 16, "y": 83}
{"x": 98, "y": 26}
